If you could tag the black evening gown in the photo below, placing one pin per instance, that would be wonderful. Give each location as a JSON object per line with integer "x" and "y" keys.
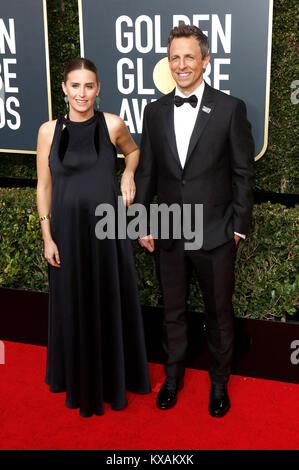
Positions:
{"x": 96, "y": 347}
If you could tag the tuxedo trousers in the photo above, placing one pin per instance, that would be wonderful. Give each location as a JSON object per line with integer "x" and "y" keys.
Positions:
{"x": 215, "y": 273}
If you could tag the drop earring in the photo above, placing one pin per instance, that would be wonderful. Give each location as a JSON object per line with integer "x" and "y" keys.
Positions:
{"x": 98, "y": 103}
{"x": 66, "y": 102}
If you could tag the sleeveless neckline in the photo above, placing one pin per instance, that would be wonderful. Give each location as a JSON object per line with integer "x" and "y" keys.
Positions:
{"x": 93, "y": 118}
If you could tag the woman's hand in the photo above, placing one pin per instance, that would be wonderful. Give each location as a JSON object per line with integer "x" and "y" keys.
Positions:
{"x": 121, "y": 138}
{"x": 51, "y": 253}
{"x": 127, "y": 187}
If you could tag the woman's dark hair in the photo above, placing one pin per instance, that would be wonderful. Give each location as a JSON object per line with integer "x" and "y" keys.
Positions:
{"x": 78, "y": 64}
{"x": 185, "y": 31}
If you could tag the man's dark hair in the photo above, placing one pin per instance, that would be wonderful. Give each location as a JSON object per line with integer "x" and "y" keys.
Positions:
{"x": 185, "y": 31}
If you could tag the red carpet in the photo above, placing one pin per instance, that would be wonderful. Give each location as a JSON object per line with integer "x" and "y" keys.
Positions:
{"x": 264, "y": 414}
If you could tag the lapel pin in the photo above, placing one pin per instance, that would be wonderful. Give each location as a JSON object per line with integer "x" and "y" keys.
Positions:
{"x": 206, "y": 109}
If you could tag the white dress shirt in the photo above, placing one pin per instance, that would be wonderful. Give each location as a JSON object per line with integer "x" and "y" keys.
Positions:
{"x": 184, "y": 121}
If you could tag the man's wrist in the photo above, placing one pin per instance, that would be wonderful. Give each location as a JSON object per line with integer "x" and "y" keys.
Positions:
{"x": 241, "y": 235}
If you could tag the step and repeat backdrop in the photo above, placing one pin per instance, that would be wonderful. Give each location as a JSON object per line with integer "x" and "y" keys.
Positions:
{"x": 127, "y": 40}
{"x": 25, "y": 98}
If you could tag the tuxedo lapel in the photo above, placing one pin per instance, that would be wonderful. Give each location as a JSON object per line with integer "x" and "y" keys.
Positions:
{"x": 204, "y": 114}
{"x": 168, "y": 121}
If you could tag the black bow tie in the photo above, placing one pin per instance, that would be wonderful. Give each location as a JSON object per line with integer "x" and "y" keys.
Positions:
{"x": 178, "y": 100}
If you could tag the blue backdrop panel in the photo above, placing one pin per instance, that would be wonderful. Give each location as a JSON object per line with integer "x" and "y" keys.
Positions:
{"x": 24, "y": 75}
{"x": 128, "y": 39}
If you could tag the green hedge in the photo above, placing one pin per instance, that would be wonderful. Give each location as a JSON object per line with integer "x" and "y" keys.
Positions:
{"x": 276, "y": 171}
{"x": 266, "y": 282}
{"x": 22, "y": 264}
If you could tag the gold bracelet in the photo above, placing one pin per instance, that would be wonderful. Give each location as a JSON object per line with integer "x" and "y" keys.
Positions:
{"x": 44, "y": 217}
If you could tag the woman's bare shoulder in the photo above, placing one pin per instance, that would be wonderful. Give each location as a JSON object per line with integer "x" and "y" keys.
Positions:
{"x": 47, "y": 129}
{"x": 113, "y": 121}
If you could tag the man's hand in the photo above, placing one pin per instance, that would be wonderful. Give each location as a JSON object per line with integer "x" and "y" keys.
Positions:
{"x": 237, "y": 239}
{"x": 147, "y": 242}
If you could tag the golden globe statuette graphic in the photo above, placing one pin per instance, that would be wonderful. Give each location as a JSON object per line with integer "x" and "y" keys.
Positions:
{"x": 162, "y": 77}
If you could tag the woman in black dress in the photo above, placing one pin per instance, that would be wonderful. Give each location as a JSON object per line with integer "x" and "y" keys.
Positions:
{"x": 96, "y": 348}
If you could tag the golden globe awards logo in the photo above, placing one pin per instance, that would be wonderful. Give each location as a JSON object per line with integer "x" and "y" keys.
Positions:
{"x": 136, "y": 38}
{"x": 9, "y": 116}
{"x": 128, "y": 43}
{"x": 25, "y": 97}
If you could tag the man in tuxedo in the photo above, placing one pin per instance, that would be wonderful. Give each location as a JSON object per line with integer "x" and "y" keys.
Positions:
{"x": 197, "y": 148}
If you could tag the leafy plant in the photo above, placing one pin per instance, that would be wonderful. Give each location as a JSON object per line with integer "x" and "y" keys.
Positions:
{"x": 266, "y": 266}
{"x": 21, "y": 262}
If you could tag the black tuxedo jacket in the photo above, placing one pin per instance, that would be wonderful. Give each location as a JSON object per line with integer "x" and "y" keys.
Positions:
{"x": 219, "y": 167}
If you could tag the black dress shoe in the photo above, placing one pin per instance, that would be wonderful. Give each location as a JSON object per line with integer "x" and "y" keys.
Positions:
{"x": 168, "y": 395}
{"x": 219, "y": 401}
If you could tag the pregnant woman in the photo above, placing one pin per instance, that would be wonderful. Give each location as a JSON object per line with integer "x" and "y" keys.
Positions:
{"x": 96, "y": 348}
